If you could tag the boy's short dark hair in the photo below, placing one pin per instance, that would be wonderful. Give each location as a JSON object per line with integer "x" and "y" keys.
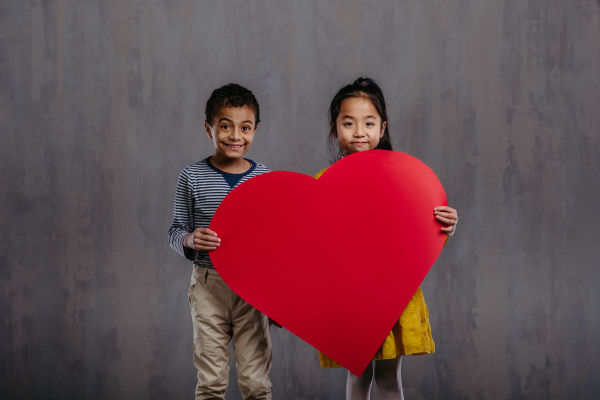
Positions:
{"x": 231, "y": 95}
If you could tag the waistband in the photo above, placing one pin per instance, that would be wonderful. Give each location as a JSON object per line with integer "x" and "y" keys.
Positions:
{"x": 205, "y": 273}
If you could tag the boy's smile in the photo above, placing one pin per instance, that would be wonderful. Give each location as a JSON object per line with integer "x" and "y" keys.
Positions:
{"x": 232, "y": 132}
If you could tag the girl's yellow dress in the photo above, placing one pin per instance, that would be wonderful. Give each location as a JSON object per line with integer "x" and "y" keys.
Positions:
{"x": 410, "y": 335}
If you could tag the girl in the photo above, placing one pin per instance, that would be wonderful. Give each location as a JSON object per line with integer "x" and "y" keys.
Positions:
{"x": 359, "y": 122}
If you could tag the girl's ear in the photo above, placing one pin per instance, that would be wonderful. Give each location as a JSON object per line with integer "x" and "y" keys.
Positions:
{"x": 331, "y": 126}
{"x": 382, "y": 129}
{"x": 208, "y": 129}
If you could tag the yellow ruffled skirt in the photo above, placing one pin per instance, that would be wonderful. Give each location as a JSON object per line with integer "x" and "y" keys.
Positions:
{"x": 410, "y": 335}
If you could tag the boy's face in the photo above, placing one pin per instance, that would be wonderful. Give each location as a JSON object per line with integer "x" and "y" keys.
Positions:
{"x": 232, "y": 131}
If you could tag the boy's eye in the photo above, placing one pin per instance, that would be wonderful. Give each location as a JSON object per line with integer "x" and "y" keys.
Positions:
{"x": 225, "y": 126}
{"x": 245, "y": 128}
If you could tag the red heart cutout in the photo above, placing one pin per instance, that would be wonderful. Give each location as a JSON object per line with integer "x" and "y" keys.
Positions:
{"x": 334, "y": 260}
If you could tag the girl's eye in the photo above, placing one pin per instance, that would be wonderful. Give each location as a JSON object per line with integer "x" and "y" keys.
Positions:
{"x": 348, "y": 124}
{"x": 370, "y": 124}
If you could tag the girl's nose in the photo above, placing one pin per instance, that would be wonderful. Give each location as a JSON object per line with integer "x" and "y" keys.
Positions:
{"x": 359, "y": 133}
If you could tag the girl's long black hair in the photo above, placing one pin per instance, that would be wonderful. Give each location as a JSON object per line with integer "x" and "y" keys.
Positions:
{"x": 362, "y": 87}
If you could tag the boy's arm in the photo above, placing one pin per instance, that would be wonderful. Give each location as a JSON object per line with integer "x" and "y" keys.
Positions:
{"x": 183, "y": 217}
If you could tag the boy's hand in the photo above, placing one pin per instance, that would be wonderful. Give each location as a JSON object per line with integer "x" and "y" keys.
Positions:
{"x": 271, "y": 322}
{"x": 446, "y": 215}
{"x": 202, "y": 239}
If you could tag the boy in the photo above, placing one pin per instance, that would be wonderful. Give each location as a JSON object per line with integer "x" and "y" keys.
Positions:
{"x": 218, "y": 314}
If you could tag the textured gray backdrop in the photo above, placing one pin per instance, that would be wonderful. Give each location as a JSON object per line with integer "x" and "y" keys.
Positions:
{"x": 101, "y": 106}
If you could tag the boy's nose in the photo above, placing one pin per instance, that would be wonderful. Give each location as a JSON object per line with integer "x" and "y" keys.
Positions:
{"x": 235, "y": 135}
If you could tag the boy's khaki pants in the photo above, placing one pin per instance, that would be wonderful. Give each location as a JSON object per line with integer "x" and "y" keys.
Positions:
{"x": 218, "y": 314}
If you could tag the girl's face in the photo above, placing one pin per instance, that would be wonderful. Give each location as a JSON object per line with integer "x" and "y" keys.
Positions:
{"x": 358, "y": 125}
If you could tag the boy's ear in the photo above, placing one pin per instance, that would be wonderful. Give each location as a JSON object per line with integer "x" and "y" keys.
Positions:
{"x": 382, "y": 129}
{"x": 332, "y": 129}
{"x": 208, "y": 129}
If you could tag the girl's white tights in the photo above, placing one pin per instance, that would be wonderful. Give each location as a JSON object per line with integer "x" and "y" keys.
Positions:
{"x": 387, "y": 377}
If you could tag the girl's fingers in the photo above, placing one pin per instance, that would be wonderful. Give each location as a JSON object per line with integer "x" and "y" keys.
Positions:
{"x": 447, "y": 215}
{"x": 445, "y": 208}
{"x": 447, "y": 221}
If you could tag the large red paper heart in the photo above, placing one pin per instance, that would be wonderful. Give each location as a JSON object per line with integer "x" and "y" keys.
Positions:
{"x": 333, "y": 260}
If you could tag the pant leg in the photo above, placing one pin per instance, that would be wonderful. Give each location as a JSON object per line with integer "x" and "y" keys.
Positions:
{"x": 210, "y": 303}
{"x": 252, "y": 344}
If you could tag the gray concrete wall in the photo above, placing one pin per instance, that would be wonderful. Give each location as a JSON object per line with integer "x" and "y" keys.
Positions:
{"x": 101, "y": 106}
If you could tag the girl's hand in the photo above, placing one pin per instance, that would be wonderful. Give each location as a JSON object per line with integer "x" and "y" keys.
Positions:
{"x": 202, "y": 239}
{"x": 446, "y": 215}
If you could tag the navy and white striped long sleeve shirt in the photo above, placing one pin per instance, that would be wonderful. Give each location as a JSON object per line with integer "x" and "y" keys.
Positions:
{"x": 200, "y": 190}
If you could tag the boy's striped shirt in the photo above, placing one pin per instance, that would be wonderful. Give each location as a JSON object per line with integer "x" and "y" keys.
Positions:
{"x": 200, "y": 189}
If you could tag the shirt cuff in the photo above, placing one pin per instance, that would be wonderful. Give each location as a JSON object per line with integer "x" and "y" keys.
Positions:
{"x": 451, "y": 233}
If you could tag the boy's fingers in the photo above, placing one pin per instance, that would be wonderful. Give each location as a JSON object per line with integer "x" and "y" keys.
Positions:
{"x": 207, "y": 243}
{"x": 204, "y": 245}
{"x": 209, "y": 238}
{"x": 205, "y": 234}
{"x": 207, "y": 231}
{"x": 207, "y": 248}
